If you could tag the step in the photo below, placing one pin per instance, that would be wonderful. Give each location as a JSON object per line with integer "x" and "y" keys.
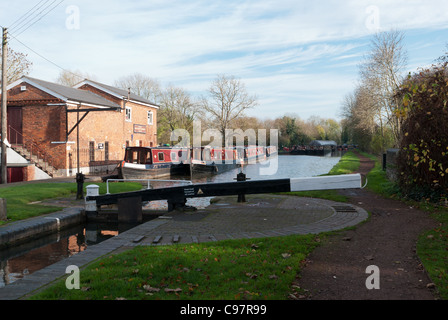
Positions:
{"x": 38, "y": 162}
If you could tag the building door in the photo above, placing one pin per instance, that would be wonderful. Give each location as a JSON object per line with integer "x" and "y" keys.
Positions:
{"x": 15, "y": 132}
{"x": 15, "y": 174}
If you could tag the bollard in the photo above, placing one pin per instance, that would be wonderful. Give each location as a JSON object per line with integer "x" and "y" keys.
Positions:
{"x": 3, "y": 216}
{"x": 80, "y": 178}
{"x": 241, "y": 177}
{"x": 91, "y": 209}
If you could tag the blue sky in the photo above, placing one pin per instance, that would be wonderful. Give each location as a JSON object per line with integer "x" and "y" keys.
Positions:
{"x": 298, "y": 57}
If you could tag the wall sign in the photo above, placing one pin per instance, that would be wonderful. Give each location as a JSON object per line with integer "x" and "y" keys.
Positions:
{"x": 138, "y": 128}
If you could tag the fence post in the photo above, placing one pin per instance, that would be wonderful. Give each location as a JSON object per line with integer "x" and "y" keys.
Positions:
{"x": 3, "y": 210}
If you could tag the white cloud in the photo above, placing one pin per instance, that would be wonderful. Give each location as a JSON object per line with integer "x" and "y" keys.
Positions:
{"x": 286, "y": 51}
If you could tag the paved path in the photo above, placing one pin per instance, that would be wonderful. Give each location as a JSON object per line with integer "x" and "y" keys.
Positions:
{"x": 262, "y": 216}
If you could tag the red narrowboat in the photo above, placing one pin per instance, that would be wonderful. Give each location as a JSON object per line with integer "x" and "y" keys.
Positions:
{"x": 154, "y": 163}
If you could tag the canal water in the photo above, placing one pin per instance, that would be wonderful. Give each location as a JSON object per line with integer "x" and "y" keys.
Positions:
{"x": 281, "y": 167}
{"x": 17, "y": 262}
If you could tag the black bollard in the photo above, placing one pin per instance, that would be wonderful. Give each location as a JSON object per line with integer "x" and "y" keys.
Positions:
{"x": 241, "y": 177}
{"x": 80, "y": 178}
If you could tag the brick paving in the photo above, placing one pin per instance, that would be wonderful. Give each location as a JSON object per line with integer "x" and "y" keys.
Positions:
{"x": 261, "y": 216}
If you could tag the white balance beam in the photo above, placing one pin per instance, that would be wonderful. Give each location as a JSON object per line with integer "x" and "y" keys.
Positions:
{"x": 346, "y": 181}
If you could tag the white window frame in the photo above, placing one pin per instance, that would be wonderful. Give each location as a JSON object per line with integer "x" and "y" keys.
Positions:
{"x": 128, "y": 119}
{"x": 152, "y": 118}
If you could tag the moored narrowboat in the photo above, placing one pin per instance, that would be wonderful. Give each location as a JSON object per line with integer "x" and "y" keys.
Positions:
{"x": 271, "y": 151}
{"x": 214, "y": 160}
{"x": 154, "y": 163}
{"x": 164, "y": 162}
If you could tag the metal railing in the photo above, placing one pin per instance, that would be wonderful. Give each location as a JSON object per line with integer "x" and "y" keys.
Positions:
{"x": 148, "y": 181}
{"x": 32, "y": 147}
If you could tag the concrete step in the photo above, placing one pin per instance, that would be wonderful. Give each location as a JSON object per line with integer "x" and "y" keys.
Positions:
{"x": 40, "y": 163}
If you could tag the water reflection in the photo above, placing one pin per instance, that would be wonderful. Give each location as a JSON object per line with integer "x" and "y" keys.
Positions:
{"x": 19, "y": 261}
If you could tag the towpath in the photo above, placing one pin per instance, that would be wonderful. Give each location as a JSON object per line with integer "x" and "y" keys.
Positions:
{"x": 337, "y": 269}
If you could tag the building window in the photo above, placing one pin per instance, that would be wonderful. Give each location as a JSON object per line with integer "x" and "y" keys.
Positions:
{"x": 128, "y": 114}
{"x": 92, "y": 151}
{"x": 106, "y": 150}
{"x": 150, "y": 118}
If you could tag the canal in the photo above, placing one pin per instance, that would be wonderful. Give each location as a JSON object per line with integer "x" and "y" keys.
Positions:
{"x": 17, "y": 262}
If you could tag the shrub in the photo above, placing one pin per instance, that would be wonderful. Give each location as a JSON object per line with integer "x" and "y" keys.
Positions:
{"x": 423, "y": 159}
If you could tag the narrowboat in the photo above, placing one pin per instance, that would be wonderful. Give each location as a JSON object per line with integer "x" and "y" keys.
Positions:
{"x": 250, "y": 154}
{"x": 261, "y": 154}
{"x": 154, "y": 162}
{"x": 271, "y": 151}
{"x": 215, "y": 160}
{"x": 254, "y": 154}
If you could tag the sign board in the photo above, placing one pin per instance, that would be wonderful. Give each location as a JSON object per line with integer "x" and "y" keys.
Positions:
{"x": 138, "y": 128}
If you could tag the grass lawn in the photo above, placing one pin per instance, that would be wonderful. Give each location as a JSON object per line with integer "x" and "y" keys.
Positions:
{"x": 349, "y": 163}
{"x": 246, "y": 269}
{"x": 19, "y": 199}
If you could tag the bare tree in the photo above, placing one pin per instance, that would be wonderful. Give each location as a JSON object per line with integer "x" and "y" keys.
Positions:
{"x": 177, "y": 108}
{"x": 228, "y": 100}
{"x": 17, "y": 65}
{"x": 70, "y": 78}
{"x": 381, "y": 76}
{"x": 141, "y": 85}
{"x": 367, "y": 113}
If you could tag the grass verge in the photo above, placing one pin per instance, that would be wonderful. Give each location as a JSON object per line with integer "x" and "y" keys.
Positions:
{"x": 18, "y": 199}
{"x": 378, "y": 181}
{"x": 349, "y": 163}
{"x": 246, "y": 269}
{"x": 432, "y": 249}
{"x": 21, "y": 200}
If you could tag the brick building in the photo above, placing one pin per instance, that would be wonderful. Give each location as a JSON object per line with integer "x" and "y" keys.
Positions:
{"x": 48, "y": 120}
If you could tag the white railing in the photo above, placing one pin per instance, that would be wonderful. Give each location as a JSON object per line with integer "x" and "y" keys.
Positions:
{"x": 146, "y": 180}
